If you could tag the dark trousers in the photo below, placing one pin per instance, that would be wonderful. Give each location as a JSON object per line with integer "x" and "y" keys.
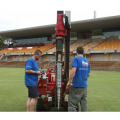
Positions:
{"x": 77, "y": 95}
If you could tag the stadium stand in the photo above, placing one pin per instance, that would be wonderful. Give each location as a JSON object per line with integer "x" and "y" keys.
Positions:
{"x": 51, "y": 51}
{"x": 92, "y": 44}
{"x": 113, "y": 44}
{"x": 47, "y": 47}
{"x": 115, "y": 66}
{"x": 101, "y": 65}
{"x": 95, "y": 65}
{"x": 99, "y": 37}
{"x": 78, "y": 43}
{"x": 27, "y": 49}
{"x": 51, "y": 48}
{"x": 105, "y": 65}
{"x": 12, "y": 63}
{"x": 45, "y": 64}
{"x": 8, "y": 50}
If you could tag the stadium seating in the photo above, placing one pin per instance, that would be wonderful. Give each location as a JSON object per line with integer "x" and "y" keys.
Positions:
{"x": 46, "y": 47}
{"x": 113, "y": 44}
{"x": 12, "y": 63}
{"x": 105, "y": 65}
{"x": 76, "y": 44}
{"x": 95, "y": 65}
{"x": 46, "y": 63}
{"x": 115, "y": 66}
{"x": 28, "y": 49}
{"x": 92, "y": 44}
{"x": 52, "y": 50}
{"x": 88, "y": 45}
{"x": 7, "y": 50}
{"x": 95, "y": 45}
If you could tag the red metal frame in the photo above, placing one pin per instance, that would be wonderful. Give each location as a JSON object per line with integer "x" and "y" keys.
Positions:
{"x": 60, "y": 29}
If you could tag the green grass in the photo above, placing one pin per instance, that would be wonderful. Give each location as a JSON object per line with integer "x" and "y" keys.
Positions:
{"x": 13, "y": 93}
{"x": 103, "y": 90}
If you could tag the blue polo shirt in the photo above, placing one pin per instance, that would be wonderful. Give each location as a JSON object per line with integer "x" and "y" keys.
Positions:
{"x": 31, "y": 79}
{"x": 81, "y": 75}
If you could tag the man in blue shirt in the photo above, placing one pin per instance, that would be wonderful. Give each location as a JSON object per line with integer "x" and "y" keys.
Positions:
{"x": 31, "y": 79}
{"x": 79, "y": 75}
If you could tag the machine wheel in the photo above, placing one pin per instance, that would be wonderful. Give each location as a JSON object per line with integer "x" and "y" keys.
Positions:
{"x": 41, "y": 106}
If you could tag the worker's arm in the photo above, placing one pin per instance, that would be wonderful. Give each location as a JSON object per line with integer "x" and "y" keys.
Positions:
{"x": 88, "y": 69}
{"x": 33, "y": 72}
{"x": 88, "y": 74}
{"x": 72, "y": 74}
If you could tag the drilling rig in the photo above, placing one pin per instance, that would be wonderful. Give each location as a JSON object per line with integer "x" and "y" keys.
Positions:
{"x": 52, "y": 87}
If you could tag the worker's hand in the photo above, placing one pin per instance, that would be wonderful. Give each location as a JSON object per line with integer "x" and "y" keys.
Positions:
{"x": 38, "y": 72}
{"x": 67, "y": 86}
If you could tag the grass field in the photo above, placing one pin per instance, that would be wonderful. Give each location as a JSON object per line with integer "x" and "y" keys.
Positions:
{"x": 103, "y": 90}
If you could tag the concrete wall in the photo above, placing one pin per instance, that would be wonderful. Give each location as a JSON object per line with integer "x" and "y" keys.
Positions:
{"x": 50, "y": 57}
{"x": 115, "y": 57}
{"x": 94, "y": 57}
{"x": 99, "y": 57}
{"x": 27, "y": 57}
{"x": 9, "y": 58}
{"x": 104, "y": 57}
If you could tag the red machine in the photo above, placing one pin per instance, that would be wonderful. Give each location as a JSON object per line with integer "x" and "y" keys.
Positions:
{"x": 46, "y": 84}
{"x": 52, "y": 85}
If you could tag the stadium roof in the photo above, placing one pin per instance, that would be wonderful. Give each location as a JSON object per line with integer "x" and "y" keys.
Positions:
{"x": 105, "y": 23}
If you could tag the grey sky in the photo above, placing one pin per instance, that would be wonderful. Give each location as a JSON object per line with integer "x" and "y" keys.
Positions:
{"x": 17, "y": 14}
